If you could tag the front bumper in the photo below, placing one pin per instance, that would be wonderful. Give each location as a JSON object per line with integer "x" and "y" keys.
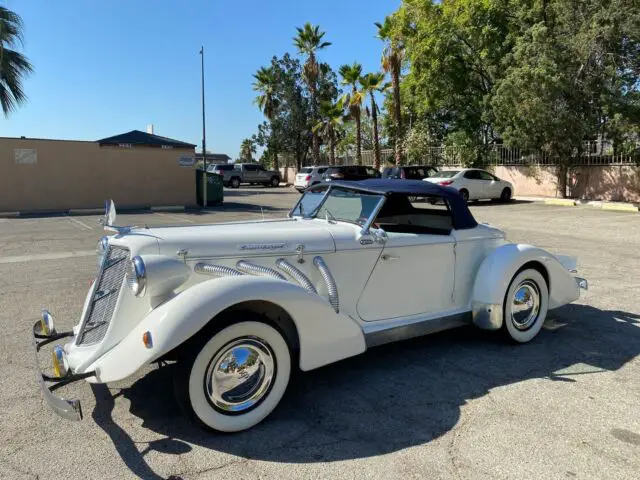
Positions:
{"x": 69, "y": 409}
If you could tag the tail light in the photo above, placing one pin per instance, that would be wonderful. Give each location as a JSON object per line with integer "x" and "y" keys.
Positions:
{"x": 446, "y": 182}
{"x": 337, "y": 175}
{"x": 307, "y": 178}
{"x": 402, "y": 174}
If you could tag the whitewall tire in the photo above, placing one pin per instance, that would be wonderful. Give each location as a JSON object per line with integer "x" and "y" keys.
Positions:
{"x": 237, "y": 378}
{"x": 525, "y": 306}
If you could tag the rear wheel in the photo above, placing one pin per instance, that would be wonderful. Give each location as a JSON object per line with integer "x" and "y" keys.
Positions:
{"x": 465, "y": 194}
{"x": 505, "y": 196}
{"x": 235, "y": 182}
{"x": 237, "y": 378}
{"x": 275, "y": 182}
{"x": 525, "y": 306}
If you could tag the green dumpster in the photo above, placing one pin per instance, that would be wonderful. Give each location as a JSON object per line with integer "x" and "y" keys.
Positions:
{"x": 215, "y": 190}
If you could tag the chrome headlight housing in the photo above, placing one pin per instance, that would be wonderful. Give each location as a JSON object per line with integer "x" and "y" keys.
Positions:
{"x": 103, "y": 246}
{"x": 137, "y": 276}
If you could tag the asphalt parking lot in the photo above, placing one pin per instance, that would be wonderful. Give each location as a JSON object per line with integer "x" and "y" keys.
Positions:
{"x": 460, "y": 404}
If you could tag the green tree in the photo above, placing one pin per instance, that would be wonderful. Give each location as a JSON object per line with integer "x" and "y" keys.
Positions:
{"x": 308, "y": 42}
{"x": 266, "y": 83}
{"x": 392, "y": 58}
{"x": 247, "y": 151}
{"x": 331, "y": 117}
{"x": 354, "y": 99}
{"x": 373, "y": 83}
{"x": 14, "y": 66}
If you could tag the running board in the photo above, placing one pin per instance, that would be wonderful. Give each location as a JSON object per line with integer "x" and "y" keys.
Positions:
{"x": 416, "y": 328}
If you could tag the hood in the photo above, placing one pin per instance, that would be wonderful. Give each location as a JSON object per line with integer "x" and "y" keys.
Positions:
{"x": 239, "y": 239}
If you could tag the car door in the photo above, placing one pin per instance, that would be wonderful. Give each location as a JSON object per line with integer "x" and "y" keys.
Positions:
{"x": 413, "y": 276}
{"x": 415, "y": 272}
{"x": 262, "y": 175}
{"x": 492, "y": 185}
{"x": 250, "y": 173}
{"x": 474, "y": 184}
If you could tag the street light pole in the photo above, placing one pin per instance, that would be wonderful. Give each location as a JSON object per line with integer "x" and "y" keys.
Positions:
{"x": 204, "y": 137}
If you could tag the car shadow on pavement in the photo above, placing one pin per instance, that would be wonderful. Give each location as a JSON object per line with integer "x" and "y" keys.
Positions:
{"x": 387, "y": 399}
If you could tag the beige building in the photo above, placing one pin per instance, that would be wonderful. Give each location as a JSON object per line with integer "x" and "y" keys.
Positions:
{"x": 135, "y": 169}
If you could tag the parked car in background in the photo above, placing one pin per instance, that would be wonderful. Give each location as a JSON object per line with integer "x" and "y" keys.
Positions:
{"x": 474, "y": 184}
{"x": 221, "y": 169}
{"x": 251, "y": 173}
{"x": 350, "y": 173}
{"x": 409, "y": 172}
{"x": 308, "y": 176}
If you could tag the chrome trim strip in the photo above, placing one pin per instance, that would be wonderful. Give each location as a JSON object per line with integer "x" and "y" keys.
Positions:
{"x": 416, "y": 329}
{"x": 259, "y": 270}
{"x": 296, "y": 274}
{"x": 216, "y": 270}
{"x": 332, "y": 288}
{"x": 488, "y": 316}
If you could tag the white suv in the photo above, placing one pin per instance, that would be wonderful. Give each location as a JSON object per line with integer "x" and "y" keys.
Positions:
{"x": 308, "y": 176}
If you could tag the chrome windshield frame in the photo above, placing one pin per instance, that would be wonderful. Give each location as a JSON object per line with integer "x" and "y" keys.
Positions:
{"x": 365, "y": 227}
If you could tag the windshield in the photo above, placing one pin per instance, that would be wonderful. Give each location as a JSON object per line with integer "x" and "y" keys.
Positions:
{"x": 445, "y": 174}
{"x": 340, "y": 204}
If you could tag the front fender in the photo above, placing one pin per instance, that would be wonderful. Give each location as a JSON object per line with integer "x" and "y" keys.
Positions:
{"x": 498, "y": 269}
{"x": 324, "y": 335}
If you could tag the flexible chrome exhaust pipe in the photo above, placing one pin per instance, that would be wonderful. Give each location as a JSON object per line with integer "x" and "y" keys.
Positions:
{"x": 216, "y": 270}
{"x": 332, "y": 288}
{"x": 254, "y": 269}
{"x": 296, "y": 274}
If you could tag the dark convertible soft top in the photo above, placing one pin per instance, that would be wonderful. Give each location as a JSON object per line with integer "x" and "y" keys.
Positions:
{"x": 462, "y": 217}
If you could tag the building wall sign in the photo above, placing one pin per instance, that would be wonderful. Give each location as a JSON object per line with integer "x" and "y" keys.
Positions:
{"x": 186, "y": 161}
{"x": 25, "y": 155}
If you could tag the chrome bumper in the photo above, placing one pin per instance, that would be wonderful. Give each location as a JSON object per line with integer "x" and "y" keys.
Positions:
{"x": 69, "y": 409}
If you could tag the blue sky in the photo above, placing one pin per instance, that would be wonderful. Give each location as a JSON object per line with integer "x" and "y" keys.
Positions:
{"x": 104, "y": 68}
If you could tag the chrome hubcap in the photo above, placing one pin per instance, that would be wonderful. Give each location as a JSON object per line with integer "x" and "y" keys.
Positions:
{"x": 525, "y": 305}
{"x": 240, "y": 375}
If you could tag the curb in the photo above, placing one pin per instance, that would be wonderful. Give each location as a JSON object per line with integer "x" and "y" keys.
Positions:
{"x": 620, "y": 207}
{"x": 9, "y": 214}
{"x": 563, "y": 202}
{"x": 85, "y": 211}
{"x": 169, "y": 208}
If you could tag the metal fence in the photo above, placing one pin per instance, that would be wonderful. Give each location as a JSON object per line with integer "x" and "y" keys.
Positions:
{"x": 593, "y": 153}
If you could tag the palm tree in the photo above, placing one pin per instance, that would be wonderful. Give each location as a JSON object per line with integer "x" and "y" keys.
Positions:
{"x": 266, "y": 84}
{"x": 13, "y": 65}
{"x": 350, "y": 76}
{"x": 247, "y": 150}
{"x": 392, "y": 57}
{"x": 308, "y": 42}
{"x": 331, "y": 116}
{"x": 372, "y": 83}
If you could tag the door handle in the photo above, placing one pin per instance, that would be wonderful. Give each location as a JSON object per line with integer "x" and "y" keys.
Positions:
{"x": 388, "y": 257}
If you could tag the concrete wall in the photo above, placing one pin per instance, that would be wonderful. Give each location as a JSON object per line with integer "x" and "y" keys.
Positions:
{"x": 617, "y": 183}
{"x": 70, "y": 174}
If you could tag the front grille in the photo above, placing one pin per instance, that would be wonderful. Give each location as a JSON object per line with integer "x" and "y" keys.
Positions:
{"x": 105, "y": 296}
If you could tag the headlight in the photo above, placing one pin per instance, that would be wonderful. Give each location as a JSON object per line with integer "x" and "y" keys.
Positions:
{"x": 103, "y": 245}
{"x": 137, "y": 277}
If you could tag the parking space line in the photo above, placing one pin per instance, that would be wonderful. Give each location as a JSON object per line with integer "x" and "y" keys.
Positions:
{"x": 79, "y": 224}
{"x": 175, "y": 217}
{"x": 47, "y": 256}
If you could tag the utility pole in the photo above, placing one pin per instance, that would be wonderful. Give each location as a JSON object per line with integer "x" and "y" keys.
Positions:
{"x": 204, "y": 137}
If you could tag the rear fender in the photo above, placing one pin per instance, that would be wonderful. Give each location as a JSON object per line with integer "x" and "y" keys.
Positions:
{"x": 498, "y": 269}
{"x": 324, "y": 335}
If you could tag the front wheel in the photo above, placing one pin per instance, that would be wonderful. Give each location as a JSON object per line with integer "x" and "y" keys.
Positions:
{"x": 505, "y": 196}
{"x": 236, "y": 379}
{"x": 275, "y": 182}
{"x": 525, "y": 306}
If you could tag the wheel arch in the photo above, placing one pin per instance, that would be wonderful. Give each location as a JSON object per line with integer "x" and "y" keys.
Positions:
{"x": 497, "y": 271}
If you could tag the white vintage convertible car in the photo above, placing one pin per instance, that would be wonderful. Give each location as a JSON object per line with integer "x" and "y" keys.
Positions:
{"x": 238, "y": 305}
